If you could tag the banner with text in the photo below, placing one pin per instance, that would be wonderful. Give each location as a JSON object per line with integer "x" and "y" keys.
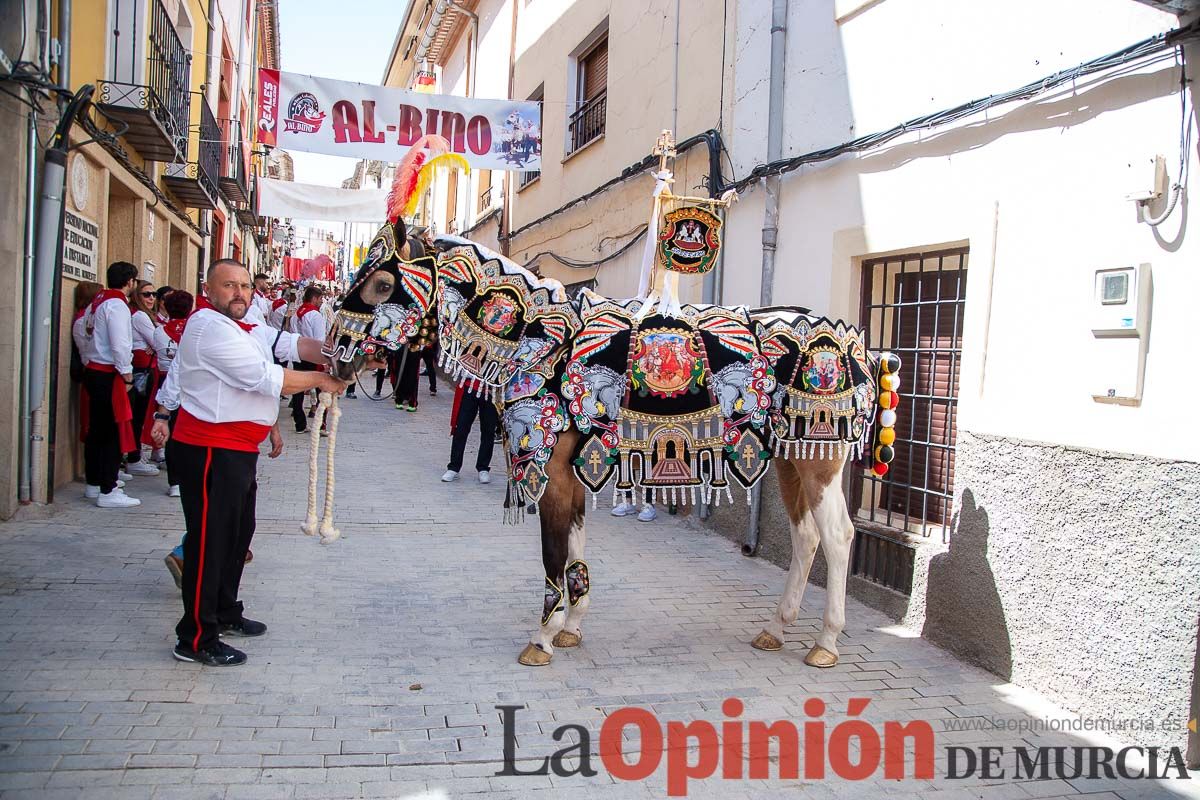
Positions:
{"x": 320, "y": 115}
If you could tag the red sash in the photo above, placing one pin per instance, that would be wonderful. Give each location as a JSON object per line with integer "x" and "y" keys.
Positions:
{"x": 275, "y": 304}
{"x": 143, "y": 359}
{"x": 122, "y": 411}
{"x": 174, "y": 329}
{"x": 304, "y": 309}
{"x": 244, "y": 436}
{"x": 111, "y": 294}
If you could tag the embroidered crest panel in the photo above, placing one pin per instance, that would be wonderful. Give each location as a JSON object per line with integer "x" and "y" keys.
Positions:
{"x": 497, "y": 319}
{"x": 675, "y": 405}
{"x": 827, "y": 389}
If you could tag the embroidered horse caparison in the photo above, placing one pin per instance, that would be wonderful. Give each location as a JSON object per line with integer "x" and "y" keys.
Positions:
{"x": 687, "y": 405}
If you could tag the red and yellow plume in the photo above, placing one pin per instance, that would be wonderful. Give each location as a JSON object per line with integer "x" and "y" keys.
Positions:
{"x": 415, "y": 171}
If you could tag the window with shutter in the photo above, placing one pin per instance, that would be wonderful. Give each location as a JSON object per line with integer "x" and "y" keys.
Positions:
{"x": 593, "y": 70}
{"x": 913, "y": 305}
{"x": 591, "y": 91}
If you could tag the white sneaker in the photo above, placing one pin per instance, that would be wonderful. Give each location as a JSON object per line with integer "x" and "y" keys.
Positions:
{"x": 624, "y": 509}
{"x": 142, "y": 468}
{"x": 159, "y": 456}
{"x": 648, "y": 514}
{"x": 172, "y": 491}
{"x": 92, "y": 492}
{"x": 485, "y": 477}
{"x": 117, "y": 499}
{"x": 449, "y": 475}
{"x": 123, "y": 475}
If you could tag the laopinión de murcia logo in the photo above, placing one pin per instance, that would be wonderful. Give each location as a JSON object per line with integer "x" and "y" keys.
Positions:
{"x": 852, "y": 749}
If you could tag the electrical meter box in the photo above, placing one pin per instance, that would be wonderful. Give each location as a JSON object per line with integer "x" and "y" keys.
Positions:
{"x": 1120, "y": 322}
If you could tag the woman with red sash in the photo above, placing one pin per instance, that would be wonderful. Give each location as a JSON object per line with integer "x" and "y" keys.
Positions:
{"x": 107, "y": 378}
{"x": 225, "y": 385}
{"x": 145, "y": 377}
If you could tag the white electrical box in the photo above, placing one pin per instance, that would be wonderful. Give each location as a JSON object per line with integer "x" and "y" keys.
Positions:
{"x": 1120, "y": 322}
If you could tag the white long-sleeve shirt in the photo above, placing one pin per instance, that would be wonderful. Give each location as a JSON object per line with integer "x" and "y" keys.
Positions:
{"x": 165, "y": 348}
{"x": 278, "y": 314}
{"x": 222, "y": 373}
{"x": 83, "y": 343}
{"x": 260, "y": 302}
{"x": 112, "y": 334}
{"x": 143, "y": 331}
{"x": 310, "y": 324}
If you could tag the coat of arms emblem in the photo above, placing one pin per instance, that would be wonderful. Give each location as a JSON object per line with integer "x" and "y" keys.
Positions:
{"x": 689, "y": 241}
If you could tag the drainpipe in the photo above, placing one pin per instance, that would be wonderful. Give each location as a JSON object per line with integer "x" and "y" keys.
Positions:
{"x": 770, "y": 230}
{"x": 506, "y": 208}
{"x": 25, "y": 453}
{"x": 64, "y": 80}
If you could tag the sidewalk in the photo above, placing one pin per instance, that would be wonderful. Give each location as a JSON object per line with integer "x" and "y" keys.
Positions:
{"x": 389, "y": 650}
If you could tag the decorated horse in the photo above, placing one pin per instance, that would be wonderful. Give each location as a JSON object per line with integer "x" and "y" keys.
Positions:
{"x": 678, "y": 401}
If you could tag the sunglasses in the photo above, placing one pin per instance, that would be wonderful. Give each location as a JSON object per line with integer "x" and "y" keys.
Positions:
{"x": 147, "y": 294}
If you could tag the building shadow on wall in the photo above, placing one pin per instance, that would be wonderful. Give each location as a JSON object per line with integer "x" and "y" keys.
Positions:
{"x": 963, "y": 612}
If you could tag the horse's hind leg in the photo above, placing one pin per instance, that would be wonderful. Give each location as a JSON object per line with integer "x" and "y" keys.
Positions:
{"x": 832, "y": 519}
{"x": 578, "y": 581}
{"x": 805, "y": 538}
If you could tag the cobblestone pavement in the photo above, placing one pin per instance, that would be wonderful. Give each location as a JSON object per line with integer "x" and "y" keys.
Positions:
{"x": 389, "y": 651}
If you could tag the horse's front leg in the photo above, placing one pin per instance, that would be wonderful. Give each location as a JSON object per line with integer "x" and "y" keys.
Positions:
{"x": 554, "y": 514}
{"x": 837, "y": 533}
{"x": 579, "y": 583}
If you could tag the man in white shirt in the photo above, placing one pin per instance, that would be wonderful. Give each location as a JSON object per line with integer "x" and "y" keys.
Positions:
{"x": 108, "y": 324}
{"x": 307, "y": 322}
{"x": 260, "y": 305}
{"x": 226, "y": 384}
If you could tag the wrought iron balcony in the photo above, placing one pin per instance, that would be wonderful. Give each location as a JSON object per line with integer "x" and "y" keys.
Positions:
{"x": 233, "y": 163}
{"x": 587, "y": 123}
{"x": 247, "y": 212}
{"x": 194, "y": 180}
{"x": 157, "y": 112}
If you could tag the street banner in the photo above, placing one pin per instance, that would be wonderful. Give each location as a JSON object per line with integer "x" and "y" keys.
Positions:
{"x": 310, "y": 202}
{"x": 340, "y": 118}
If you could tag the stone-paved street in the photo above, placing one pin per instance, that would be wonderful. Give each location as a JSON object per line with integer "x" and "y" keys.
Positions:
{"x": 389, "y": 650}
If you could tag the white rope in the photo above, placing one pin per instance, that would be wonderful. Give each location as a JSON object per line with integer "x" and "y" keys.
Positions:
{"x": 314, "y": 447}
{"x": 328, "y": 532}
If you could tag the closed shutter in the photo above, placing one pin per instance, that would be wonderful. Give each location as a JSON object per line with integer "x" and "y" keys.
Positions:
{"x": 594, "y": 71}
{"x": 928, "y": 330}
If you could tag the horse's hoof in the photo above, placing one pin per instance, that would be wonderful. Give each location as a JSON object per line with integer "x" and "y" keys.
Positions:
{"x": 820, "y": 658}
{"x": 765, "y": 641}
{"x": 534, "y": 656}
{"x": 567, "y": 639}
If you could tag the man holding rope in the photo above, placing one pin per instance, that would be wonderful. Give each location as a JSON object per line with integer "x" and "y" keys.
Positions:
{"x": 226, "y": 386}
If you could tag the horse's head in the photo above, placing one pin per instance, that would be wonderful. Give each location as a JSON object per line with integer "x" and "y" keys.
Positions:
{"x": 387, "y": 306}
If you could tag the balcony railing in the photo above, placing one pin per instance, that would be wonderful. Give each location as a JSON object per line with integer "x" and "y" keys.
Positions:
{"x": 157, "y": 113}
{"x": 587, "y": 123}
{"x": 487, "y": 198}
{"x": 233, "y": 162}
{"x": 194, "y": 179}
{"x": 527, "y": 177}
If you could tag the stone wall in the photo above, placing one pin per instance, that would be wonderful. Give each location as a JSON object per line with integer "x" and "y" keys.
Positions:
{"x": 1072, "y": 571}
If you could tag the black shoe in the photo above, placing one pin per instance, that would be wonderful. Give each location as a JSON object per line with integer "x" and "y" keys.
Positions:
{"x": 247, "y": 628}
{"x": 219, "y": 655}
{"x": 300, "y": 429}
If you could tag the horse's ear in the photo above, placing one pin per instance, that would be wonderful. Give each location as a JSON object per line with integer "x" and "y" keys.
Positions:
{"x": 400, "y": 231}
